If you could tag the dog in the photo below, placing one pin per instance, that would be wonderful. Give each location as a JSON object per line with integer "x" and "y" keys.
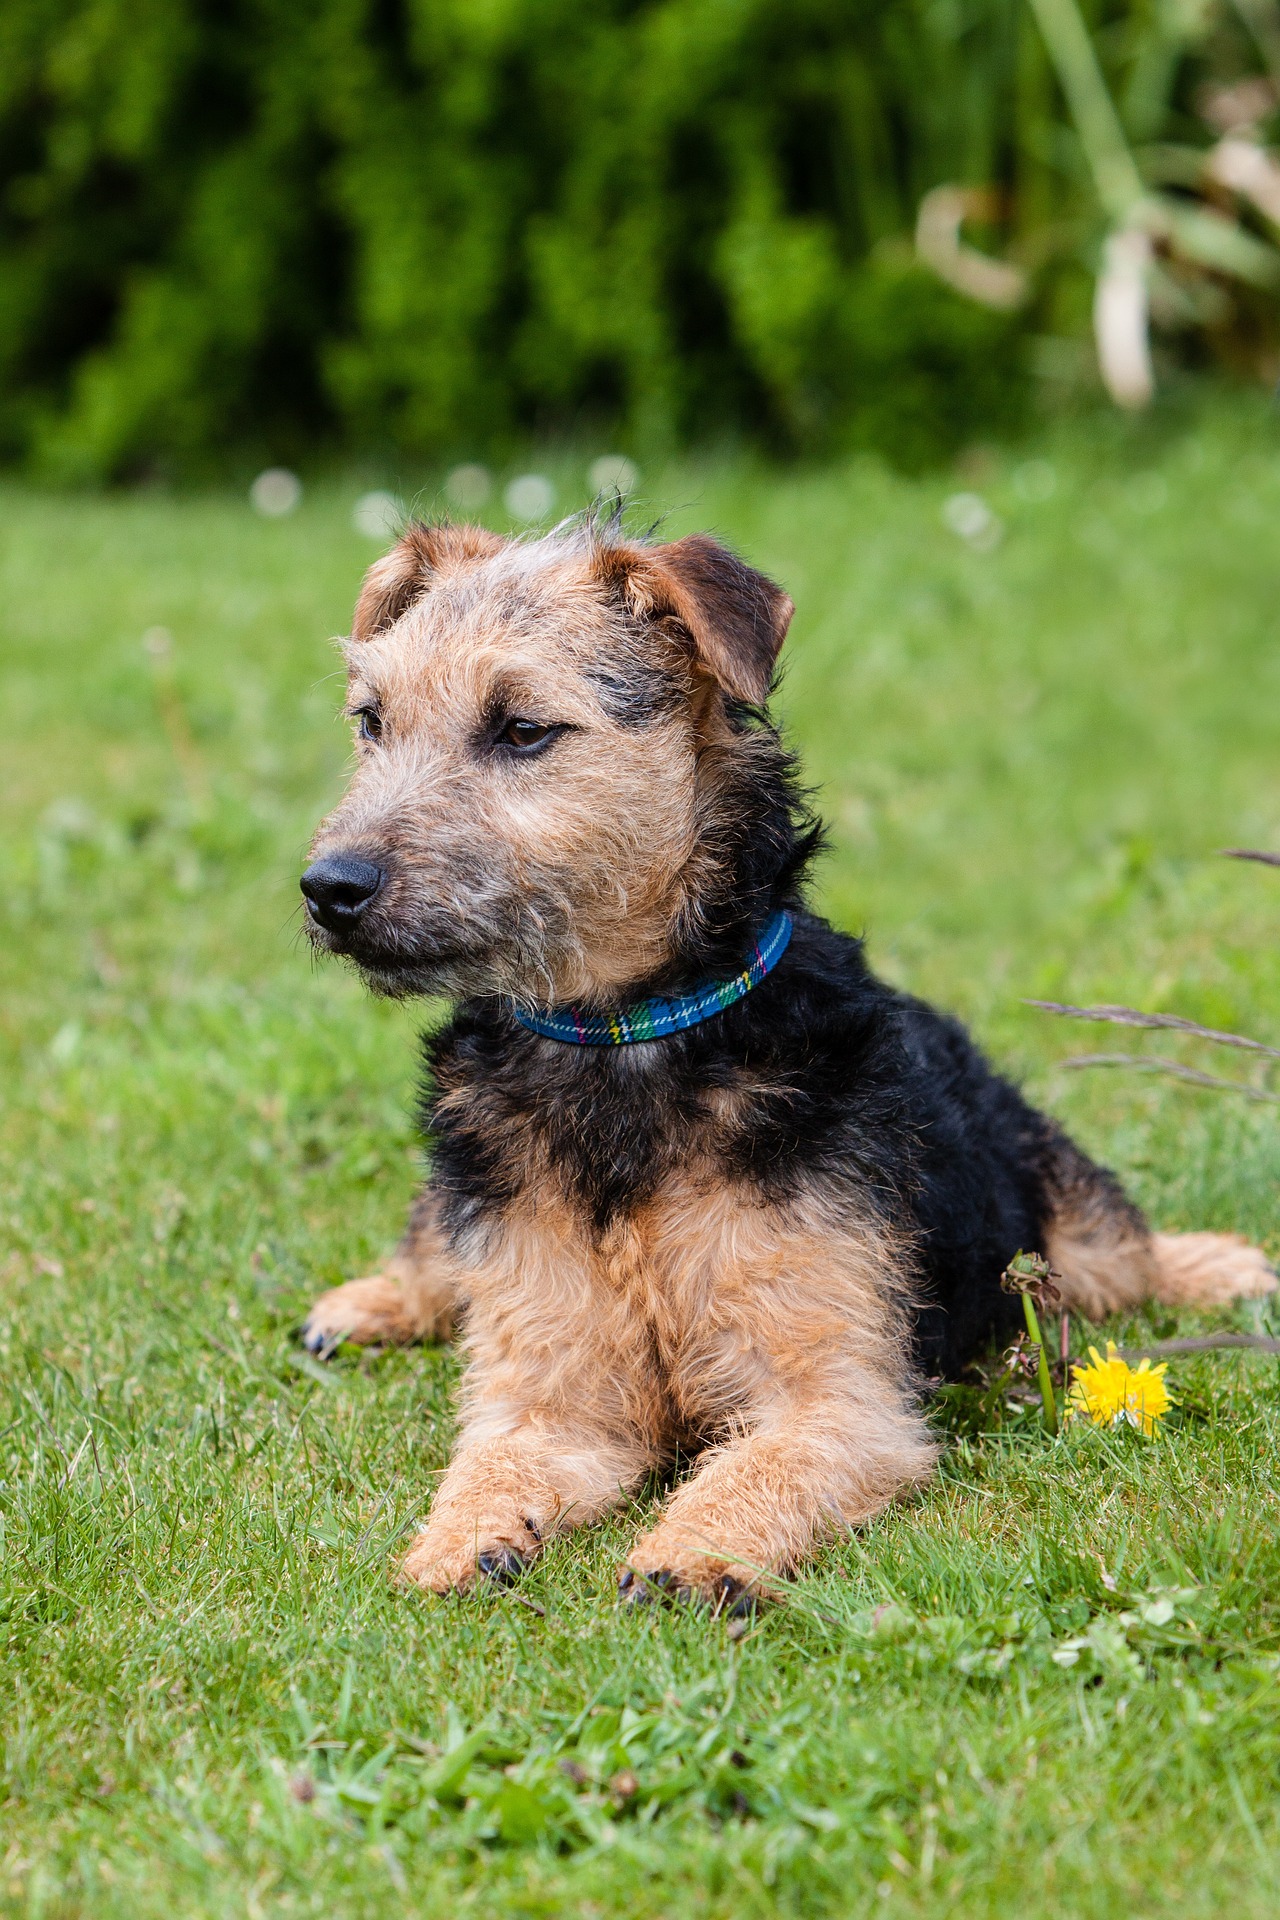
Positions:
{"x": 701, "y": 1187}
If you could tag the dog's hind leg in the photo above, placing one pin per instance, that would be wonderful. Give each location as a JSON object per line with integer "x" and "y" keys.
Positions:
{"x": 1108, "y": 1259}
{"x": 417, "y": 1295}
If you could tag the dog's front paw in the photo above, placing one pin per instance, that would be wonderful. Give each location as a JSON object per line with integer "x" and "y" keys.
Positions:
{"x": 371, "y": 1312}
{"x": 665, "y": 1566}
{"x": 449, "y": 1558}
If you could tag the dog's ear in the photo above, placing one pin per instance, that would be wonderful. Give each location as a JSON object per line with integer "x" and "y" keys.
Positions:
{"x": 735, "y": 617}
{"x": 402, "y": 576}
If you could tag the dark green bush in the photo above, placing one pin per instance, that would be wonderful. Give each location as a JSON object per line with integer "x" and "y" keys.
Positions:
{"x": 257, "y": 227}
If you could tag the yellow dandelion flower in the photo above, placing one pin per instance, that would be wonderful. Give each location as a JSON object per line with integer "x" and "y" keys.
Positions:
{"x": 1111, "y": 1391}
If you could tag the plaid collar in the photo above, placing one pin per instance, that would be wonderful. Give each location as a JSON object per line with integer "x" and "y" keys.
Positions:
{"x": 654, "y": 1019}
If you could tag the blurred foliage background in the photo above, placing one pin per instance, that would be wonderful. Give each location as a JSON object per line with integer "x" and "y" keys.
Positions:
{"x": 235, "y": 229}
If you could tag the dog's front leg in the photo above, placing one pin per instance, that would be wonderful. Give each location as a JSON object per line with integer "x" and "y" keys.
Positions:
{"x": 562, "y": 1413}
{"x": 809, "y": 1465}
{"x": 415, "y": 1297}
{"x": 505, "y": 1495}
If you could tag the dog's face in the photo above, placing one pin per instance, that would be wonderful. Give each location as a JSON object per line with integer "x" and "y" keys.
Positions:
{"x": 536, "y": 727}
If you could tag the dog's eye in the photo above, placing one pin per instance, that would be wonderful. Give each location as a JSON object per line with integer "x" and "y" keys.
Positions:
{"x": 526, "y": 735}
{"x": 369, "y": 723}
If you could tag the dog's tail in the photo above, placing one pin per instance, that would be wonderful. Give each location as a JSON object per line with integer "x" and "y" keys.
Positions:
{"x": 1109, "y": 1259}
{"x": 1208, "y": 1269}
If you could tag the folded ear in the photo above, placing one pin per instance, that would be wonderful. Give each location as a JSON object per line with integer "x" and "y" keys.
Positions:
{"x": 735, "y": 617}
{"x": 402, "y": 576}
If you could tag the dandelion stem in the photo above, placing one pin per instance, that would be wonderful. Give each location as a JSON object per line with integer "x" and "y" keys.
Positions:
{"x": 1042, "y": 1366}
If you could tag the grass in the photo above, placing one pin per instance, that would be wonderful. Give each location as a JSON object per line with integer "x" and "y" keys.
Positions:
{"x": 1051, "y": 1685}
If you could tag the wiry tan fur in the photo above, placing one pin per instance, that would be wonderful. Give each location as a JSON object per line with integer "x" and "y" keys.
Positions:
{"x": 1209, "y": 1269}
{"x": 777, "y": 1338}
{"x": 768, "y": 1339}
{"x": 527, "y": 625}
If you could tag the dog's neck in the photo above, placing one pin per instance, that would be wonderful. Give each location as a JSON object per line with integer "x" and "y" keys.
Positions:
{"x": 745, "y": 882}
{"x": 756, "y": 838}
{"x": 657, "y": 1017}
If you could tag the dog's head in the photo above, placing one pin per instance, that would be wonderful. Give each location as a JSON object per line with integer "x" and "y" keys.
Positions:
{"x": 555, "y": 763}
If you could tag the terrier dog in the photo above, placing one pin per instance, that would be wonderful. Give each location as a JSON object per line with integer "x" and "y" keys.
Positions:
{"x": 701, "y": 1184}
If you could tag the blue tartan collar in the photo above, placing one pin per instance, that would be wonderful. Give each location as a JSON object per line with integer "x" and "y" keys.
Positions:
{"x": 655, "y": 1019}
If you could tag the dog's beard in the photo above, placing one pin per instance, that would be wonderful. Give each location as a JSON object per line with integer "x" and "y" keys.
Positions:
{"x": 402, "y": 968}
{"x": 400, "y": 961}
{"x": 438, "y": 978}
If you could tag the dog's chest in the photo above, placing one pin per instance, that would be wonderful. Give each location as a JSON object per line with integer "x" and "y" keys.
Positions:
{"x": 613, "y": 1214}
{"x": 680, "y": 1278}
{"x": 609, "y": 1133}
{"x": 670, "y": 1257}
{"x": 695, "y": 1274}
{"x": 717, "y": 1298}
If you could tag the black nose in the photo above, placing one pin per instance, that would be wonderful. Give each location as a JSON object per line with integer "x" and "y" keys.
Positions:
{"x": 339, "y": 888}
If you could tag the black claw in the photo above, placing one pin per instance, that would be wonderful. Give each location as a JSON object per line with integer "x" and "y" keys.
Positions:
{"x": 641, "y": 1589}
{"x": 733, "y": 1600}
{"x": 502, "y": 1565}
{"x": 316, "y": 1340}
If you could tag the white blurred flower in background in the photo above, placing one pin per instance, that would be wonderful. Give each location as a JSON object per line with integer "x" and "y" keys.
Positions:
{"x": 275, "y": 493}
{"x": 1035, "y": 481}
{"x": 969, "y": 517}
{"x": 529, "y": 497}
{"x": 943, "y": 212}
{"x": 469, "y": 486}
{"x": 613, "y": 473}
{"x": 378, "y": 515}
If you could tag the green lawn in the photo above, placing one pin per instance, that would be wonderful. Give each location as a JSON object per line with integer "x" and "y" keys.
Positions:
{"x": 212, "y": 1700}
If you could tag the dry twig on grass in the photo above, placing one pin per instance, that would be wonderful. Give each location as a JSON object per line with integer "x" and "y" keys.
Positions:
{"x": 1152, "y": 1063}
{"x": 1172, "y": 1023}
{"x": 1205, "y": 1343}
{"x": 1131, "y": 1017}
